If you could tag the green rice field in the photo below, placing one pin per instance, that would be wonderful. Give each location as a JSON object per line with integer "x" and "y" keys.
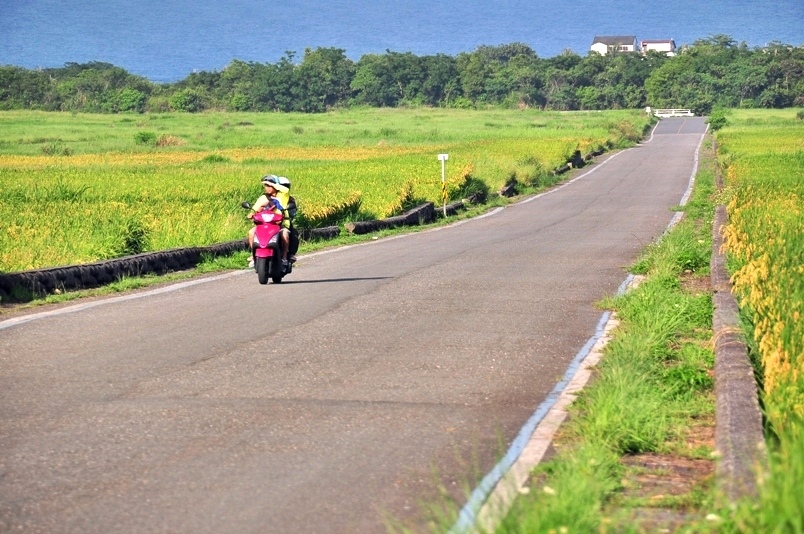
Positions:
{"x": 77, "y": 188}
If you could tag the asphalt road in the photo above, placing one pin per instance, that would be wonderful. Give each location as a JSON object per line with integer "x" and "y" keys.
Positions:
{"x": 334, "y": 401}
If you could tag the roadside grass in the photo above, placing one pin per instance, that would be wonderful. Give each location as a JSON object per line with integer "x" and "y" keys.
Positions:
{"x": 652, "y": 390}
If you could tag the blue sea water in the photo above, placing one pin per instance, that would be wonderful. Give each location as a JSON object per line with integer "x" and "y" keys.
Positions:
{"x": 166, "y": 40}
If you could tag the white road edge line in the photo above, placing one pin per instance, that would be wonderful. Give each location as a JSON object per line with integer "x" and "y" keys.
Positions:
{"x": 493, "y": 497}
{"x": 8, "y": 323}
{"x": 587, "y": 173}
{"x": 495, "y": 494}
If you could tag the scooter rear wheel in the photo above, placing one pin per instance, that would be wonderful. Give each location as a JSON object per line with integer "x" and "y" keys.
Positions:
{"x": 276, "y": 269}
{"x": 262, "y": 270}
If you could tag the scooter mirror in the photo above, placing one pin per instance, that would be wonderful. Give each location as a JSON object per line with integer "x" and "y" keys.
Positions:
{"x": 246, "y": 205}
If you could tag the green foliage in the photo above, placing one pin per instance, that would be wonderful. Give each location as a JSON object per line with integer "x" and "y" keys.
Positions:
{"x": 130, "y": 99}
{"x": 764, "y": 163}
{"x": 183, "y": 175}
{"x": 470, "y": 186}
{"x": 215, "y": 158}
{"x": 713, "y": 72}
{"x": 655, "y": 376}
{"x": 779, "y": 507}
{"x": 716, "y": 72}
{"x": 327, "y": 73}
{"x": 56, "y": 149}
{"x": 569, "y": 496}
{"x": 717, "y": 119}
{"x": 134, "y": 237}
{"x": 145, "y": 138}
{"x": 190, "y": 100}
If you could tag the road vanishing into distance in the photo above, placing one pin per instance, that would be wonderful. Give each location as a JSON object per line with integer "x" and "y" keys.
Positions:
{"x": 337, "y": 400}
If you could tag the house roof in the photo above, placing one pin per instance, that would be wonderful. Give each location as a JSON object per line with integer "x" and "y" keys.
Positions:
{"x": 612, "y": 40}
{"x": 657, "y": 41}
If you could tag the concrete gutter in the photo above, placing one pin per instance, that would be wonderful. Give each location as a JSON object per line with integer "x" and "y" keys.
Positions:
{"x": 739, "y": 436}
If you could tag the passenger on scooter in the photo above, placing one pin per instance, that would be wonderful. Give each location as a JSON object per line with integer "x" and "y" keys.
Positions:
{"x": 289, "y": 231}
{"x": 271, "y": 198}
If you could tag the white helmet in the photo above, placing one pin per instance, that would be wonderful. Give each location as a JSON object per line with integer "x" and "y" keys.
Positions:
{"x": 283, "y": 181}
{"x": 269, "y": 179}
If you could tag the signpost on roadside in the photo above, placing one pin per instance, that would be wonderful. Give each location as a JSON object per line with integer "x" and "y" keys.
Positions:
{"x": 443, "y": 158}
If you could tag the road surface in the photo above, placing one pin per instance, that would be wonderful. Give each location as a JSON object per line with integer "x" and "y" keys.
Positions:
{"x": 334, "y": 401}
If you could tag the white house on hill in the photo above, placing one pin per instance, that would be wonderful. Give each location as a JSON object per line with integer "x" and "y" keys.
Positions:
{"x": 667, "y": 46}
{"x": 604, "y": 44}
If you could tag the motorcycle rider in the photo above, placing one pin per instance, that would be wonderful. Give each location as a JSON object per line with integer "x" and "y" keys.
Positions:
{"x": 274, "y": 191}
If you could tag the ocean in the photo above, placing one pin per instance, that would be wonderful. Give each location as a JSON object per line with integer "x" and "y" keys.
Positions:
{"x": 166, "y": 40}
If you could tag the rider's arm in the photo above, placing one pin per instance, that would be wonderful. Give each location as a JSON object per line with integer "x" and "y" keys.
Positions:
{"x": 260, "y": 203}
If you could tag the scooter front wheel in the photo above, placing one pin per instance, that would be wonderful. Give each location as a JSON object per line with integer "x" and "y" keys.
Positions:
{"x": 262, "y": 270}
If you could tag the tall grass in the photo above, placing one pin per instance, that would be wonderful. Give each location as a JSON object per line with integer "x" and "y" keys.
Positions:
{"x": 111, "y": 193}
{"x": 763, "y": 160}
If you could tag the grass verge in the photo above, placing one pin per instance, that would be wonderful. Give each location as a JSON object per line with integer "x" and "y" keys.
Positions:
{"x": 636, "y": 454}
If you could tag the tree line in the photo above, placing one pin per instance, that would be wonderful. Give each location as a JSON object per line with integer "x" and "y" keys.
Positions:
{"x": 715, "y": 72}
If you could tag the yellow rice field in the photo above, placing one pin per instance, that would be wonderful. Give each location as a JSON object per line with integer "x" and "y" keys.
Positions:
{"x": 83, "y": 205}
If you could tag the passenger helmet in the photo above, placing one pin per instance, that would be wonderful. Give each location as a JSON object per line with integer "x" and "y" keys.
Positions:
{"x": 269, "y": 179}
{"x": 281, "y": 180}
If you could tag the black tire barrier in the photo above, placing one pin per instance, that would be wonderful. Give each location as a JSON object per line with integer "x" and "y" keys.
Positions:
{"x": 453, "y": 207}
{"x": 25, "y": 285}
{"x": 508, "y": 190}
{"x": 562, "y": 169}
{"x": 29, "y": 284}
{"x": 577, "y": 161}
{"x": 328, "y": 232}
{"x": 419, "y": 215}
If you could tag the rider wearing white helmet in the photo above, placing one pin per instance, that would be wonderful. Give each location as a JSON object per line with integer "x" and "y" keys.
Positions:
{"x": 278, "y": 195}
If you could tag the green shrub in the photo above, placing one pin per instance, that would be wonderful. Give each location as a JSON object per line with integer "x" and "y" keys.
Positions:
{"x": 717, "y": 119}
{"x": 56, "y": 149}
{"x": 134, "y": 237}
{"x": 131, "y": 100}
{"x": 215, "y": 158}
{"x": 187, "y": 100}
{"x": 145, "y": 138}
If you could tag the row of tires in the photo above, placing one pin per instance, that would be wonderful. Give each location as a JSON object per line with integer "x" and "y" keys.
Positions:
{"x": 22, "y": 286}
{"x": 26, "y": 285}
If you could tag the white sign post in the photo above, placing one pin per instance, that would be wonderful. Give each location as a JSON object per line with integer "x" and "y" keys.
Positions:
{"x": 443, "y": 158}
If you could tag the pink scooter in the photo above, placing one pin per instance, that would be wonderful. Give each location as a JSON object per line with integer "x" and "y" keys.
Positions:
{"x": 267, "y": 251}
